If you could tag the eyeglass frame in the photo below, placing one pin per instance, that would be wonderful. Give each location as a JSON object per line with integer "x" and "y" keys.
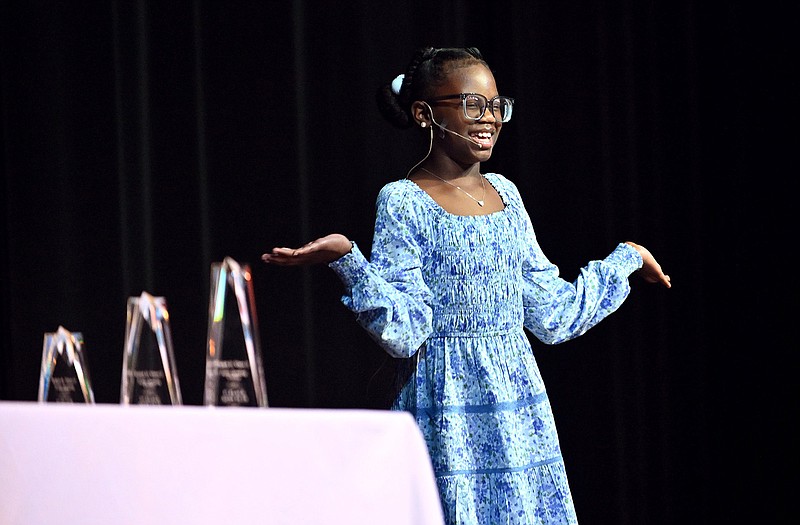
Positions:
{"x": 463, "y": 97}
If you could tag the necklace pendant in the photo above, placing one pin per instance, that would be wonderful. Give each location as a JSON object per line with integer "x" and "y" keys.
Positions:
{"x": 480, "y": 202}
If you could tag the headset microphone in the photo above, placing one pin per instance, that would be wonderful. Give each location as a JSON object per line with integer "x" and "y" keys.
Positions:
{"x": 444, "y": 128}
{"x": 458, "y": 134}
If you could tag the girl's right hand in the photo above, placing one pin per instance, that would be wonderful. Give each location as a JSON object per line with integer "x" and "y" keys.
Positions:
{"x": 323, "y": 250}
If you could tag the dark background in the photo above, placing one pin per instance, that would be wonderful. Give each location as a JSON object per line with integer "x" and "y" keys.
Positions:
{"x": 144, "y": 140}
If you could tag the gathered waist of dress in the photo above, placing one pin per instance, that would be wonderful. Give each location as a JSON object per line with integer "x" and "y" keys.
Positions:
{"x": 476, "y": 322}
{"x": 445, "y": 330}
{"x": 453, "y": 334}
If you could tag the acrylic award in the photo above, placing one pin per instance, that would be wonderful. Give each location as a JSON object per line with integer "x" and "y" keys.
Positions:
{"x": 149, "y": 375}
{"x": 234, "y": 372}
{"x": 64, "y": 376}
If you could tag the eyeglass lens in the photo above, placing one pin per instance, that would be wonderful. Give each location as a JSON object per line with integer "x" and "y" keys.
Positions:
{"x": 475, "y": 107}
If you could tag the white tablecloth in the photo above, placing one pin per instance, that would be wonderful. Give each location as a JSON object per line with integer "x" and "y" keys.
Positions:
{"x": 145, "y": 465}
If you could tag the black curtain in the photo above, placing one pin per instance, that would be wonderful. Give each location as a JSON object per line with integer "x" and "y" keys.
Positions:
{"x": 144, "y": 140}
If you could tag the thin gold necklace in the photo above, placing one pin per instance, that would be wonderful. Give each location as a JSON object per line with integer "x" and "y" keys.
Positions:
{"x": 483, "y": 185}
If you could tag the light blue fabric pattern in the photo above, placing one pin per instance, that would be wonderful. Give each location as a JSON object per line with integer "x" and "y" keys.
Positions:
{"x": 454, "y": 293}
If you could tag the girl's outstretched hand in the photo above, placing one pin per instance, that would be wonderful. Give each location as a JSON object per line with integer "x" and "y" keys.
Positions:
{"x": 323, "y": 250}
{"x": 651, "y": 271}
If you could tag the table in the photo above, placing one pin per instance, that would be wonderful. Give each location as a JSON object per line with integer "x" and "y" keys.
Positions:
{"x": 104, "y": 463}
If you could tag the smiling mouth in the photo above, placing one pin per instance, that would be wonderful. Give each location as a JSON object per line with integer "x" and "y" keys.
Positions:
{"x": 482, "y": 137}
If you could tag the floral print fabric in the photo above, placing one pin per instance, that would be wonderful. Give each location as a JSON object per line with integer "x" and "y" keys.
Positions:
{"x": 454, "y": 294}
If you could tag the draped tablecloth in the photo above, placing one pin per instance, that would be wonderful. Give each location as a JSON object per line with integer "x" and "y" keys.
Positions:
{"x": 115, "y": 464}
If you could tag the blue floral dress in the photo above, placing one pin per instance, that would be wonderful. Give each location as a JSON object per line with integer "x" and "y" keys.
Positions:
{"x": 453, "y": 294}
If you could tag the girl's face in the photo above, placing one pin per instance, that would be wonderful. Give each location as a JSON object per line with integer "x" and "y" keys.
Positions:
{"x": 449, "y": 113}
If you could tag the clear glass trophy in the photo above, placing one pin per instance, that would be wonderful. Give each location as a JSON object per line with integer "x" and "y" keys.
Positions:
{"x": 64, "y": 376}
{"x": 234, "y": 372}
{"x": 149, "y": 375}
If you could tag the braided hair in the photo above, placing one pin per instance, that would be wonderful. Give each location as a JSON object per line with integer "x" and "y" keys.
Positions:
{"x": 427, "y": 70}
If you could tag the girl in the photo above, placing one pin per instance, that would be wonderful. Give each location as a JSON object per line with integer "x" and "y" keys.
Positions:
{"x": 455, "y": 276}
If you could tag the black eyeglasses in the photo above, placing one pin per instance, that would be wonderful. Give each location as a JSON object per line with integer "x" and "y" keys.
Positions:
{"x": 475, "y": 105}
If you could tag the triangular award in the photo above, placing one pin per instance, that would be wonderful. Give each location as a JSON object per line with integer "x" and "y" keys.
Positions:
{"x": 149, "y": 375}
{"x": 234, "y": 371}
{"x": 64, "y": 376}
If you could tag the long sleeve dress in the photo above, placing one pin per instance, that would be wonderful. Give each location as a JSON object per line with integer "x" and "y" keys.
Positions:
{"x": 453, "y": 294}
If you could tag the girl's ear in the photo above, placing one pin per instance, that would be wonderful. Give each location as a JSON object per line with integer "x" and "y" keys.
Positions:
{"x": 421, "y": 113}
